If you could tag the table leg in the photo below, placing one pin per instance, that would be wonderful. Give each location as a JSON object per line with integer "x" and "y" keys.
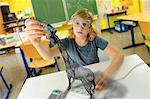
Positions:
{"x": 108, "y": 20}
{"x": 29, "y": 74}
{"x": 9, "y": 87}
{"x": 133, "y": 40}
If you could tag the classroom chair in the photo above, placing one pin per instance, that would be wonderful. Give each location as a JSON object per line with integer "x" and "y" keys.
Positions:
{"x": 145, "y": 29}
{"x": 28, "y": 51}
{"x": 9, "y": 87}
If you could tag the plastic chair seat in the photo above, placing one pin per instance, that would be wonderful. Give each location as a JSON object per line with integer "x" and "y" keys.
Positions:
{"x": 130, "y": 23}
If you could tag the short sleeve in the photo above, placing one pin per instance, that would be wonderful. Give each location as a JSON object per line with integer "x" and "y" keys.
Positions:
{"x": 101, "y": 43}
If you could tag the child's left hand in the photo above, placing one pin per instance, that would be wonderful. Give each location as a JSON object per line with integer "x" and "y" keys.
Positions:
{"x": 101, "y": 82}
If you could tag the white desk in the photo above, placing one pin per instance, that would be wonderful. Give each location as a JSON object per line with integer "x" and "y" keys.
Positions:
{"x": 137, "y": 82}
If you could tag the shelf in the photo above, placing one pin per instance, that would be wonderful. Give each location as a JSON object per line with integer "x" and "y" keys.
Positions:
{"x": 14, "y": 27}
{"x": 13, "y": 21}
{"x": 10, "y": 25}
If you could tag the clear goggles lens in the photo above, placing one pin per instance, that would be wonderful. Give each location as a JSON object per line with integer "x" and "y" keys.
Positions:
{"x": 83, "y": 24}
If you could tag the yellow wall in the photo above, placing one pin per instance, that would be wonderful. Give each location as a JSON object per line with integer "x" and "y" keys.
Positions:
{"x": 3, "y": 0}
{"x": 17, "y": 5}
{"x": 116, "y": 3}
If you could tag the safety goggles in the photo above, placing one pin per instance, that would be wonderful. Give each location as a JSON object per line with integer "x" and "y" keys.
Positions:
{"x": 84, "y": 24}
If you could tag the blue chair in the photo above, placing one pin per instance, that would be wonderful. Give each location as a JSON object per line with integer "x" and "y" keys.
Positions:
{"x": 9, "y": 87}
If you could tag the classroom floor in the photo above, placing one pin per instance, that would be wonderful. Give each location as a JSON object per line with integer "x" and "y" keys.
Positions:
{"x": 14, "y": 71}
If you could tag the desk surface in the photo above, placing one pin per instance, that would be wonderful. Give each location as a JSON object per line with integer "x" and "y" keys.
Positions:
{"x": 115, "y": 13}
{"x": 137, "y": 82}
{"x": 19, "y": 38}
{"x": 144, "y": 17}
{"x": 17, "y": 44}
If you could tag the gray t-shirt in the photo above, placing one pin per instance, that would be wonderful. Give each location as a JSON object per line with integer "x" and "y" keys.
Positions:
{"x": 87, "y": 54}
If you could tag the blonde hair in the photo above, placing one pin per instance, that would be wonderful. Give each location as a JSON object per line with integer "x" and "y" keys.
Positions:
{"x": 84, "y": 14}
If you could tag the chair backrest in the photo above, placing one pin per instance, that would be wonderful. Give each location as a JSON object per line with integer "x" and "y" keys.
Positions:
{"x": 31, "y": 52}
{"x": 145, "y": 27}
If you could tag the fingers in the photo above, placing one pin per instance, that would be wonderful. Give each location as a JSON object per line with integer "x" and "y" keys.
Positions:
{"x": 35, "y": 35}
{"x": 34, "y": 30}
{"x": 100, "y": 85}
{"x": 30, "y": 22}
{"x": 34, "y": 27}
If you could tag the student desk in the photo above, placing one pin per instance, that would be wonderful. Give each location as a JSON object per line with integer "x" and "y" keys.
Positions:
{"x": 9, "y": 87}
{"x": 3, "y": 48}
{"x": 144, "y": 17}
{"x": 137, "y": 82}
{"x": 8, "y": 47}
{"x": 109, "y": 14}
{"x": 140, "y": 17}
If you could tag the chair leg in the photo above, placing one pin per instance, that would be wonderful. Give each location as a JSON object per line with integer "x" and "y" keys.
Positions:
{"x": 29, "y": 70}
{"x": 9, "y": 87}
{"x": 29, "y": 74}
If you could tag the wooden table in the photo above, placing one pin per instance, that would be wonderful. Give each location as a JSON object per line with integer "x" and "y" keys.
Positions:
{"x": 140, "y": 18}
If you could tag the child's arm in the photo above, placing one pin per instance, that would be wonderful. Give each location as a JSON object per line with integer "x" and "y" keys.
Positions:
{"x": 117, "y": 59}
{"x": 34, "y": 33}
{"x": 46, "y": 52}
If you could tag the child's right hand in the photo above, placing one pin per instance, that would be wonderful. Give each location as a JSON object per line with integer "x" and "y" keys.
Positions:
{"x": 34, "y": 31}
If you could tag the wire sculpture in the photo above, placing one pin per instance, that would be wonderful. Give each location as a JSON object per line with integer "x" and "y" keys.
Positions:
{"x": 73, "y": 69}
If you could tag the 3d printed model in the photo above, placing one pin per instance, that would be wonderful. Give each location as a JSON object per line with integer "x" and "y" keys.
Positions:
{"x": 73, "y": 70}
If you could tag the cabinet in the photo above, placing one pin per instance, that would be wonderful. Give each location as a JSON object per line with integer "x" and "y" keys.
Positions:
{"x": 9, "y": 22}
{"x": 2, "y": 30}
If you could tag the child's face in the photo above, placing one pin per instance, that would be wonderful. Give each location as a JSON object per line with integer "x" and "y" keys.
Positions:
{"x": 81, "y": 27}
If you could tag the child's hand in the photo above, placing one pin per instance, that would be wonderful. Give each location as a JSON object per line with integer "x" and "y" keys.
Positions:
{"x": 101, "y": 82}
{"x": 34, "y": 31}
